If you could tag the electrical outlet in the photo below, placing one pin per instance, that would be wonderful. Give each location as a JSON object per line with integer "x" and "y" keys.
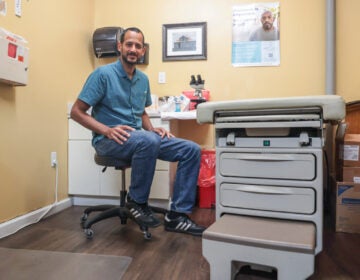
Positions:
{"x": 53, "y": 159}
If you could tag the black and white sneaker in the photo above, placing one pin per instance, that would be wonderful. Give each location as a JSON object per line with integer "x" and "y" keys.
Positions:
{"x": 142, "y": 214}
{"x": 183, "y": 224}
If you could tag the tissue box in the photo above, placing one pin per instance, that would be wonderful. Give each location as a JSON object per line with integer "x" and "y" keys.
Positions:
{"x": 347, "y": 215}
{"x": 351, "y": 150}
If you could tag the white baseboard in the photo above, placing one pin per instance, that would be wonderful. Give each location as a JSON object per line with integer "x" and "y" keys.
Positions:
{"x": 12, "y": 226}
{"x": 92, "y": 201}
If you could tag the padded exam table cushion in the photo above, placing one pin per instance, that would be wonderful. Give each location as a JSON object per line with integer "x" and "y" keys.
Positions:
{"x": 333, "y": 106}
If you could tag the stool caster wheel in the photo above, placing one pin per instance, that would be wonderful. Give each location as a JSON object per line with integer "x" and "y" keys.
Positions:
{"x": 123, "y": 219}
{"x": 84, "y": 218}
{"x": 89, "y": 233}
{"x": 147, "y": 234}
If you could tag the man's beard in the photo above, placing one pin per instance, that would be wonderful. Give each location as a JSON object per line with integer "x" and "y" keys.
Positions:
{"x": 267, "y": 26}
{"x": 126, "y": 60}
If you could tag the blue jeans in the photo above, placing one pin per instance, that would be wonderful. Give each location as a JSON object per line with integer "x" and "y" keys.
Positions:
{"x": 142, "y": 149}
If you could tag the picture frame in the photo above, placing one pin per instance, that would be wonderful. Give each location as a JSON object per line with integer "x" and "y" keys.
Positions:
{"x": 185, "y": 41}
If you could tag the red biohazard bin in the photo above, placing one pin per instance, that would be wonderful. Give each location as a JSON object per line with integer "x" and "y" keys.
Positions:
{"x": 206, "y": 180}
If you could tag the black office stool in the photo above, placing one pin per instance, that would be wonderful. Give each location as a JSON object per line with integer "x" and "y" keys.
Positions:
{"x": 109, "y": 211}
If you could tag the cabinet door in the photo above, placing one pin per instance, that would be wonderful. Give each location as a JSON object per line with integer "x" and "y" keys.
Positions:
{"x": 110, "y": 181}
{"x": 157, "y": 122}
{"x": 78, "y": 132}
{"x": 160, "y": 188}
{"x": 160, "y": 185}
{"x": 84, "y": 174}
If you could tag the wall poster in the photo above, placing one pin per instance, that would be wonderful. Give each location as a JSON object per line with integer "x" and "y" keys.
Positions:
{"x": 256, "y": 35}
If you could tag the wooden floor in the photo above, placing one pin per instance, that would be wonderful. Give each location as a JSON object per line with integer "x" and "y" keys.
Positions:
{"x": 167, "y": 255}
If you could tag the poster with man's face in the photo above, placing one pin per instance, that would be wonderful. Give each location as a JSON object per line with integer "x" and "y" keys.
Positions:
{"x": 256, "y": 34}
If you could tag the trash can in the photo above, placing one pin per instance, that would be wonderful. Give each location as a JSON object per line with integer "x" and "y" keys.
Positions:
{"x": 206, "y": 180}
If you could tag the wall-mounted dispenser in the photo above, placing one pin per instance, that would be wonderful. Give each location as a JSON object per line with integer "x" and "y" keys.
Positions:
{"x": 105, "y": 41}
{"x": 13, "y": 59}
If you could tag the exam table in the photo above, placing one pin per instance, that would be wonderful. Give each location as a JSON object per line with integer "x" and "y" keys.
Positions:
{"x": 269, "y": 183}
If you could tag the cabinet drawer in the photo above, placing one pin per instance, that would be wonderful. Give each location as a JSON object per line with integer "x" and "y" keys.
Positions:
{"x": 78, "y": 132}
{"x": 268, "y": 165}
{"x": 158, "y": 122}
{"x": 111, "y": 181}
{"x": 268, "y": 198}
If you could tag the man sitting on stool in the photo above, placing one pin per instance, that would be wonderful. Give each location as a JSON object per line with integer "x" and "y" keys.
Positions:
{"x": 118, "y": 94}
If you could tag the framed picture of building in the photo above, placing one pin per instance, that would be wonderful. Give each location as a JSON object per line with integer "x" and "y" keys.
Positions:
{"x": 184, "y": 41}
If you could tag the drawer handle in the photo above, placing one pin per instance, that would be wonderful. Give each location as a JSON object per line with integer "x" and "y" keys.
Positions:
{"x": 264, "y": 157}
{"x": 265, "y": 190}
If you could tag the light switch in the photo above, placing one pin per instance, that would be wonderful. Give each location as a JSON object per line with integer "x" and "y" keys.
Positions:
{"x": 162, "y": 77}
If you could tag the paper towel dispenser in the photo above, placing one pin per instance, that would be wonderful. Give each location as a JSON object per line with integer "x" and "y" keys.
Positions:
{"x": 105, "y": 41}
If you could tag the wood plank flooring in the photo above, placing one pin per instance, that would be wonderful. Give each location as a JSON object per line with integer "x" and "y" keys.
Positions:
{"x": 167, "y": 255}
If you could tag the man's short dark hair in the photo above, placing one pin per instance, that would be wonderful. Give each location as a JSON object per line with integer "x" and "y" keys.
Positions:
{"x": 134, "y": 29}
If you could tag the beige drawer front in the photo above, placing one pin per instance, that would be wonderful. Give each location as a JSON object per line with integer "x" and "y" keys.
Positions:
{"x": 268, "y": 198}
{"x": 268, "y": 165}
{"x": 157, "y": 122}
{"x": 162, "y": 165}
{"x": 160, "y": 186}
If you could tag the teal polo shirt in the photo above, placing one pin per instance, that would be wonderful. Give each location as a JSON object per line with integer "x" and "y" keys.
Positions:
{"x": 115, "y": 99}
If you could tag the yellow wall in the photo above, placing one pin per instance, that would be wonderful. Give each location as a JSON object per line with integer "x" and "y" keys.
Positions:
{"x": 302, "y": 47}
{"x": 348, "y": 46}
{"x": 33, "y": 119}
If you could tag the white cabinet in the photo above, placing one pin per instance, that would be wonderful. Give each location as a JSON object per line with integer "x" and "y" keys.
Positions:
{"x": 86, "y": 177}
{"x": 84, "y": 174}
